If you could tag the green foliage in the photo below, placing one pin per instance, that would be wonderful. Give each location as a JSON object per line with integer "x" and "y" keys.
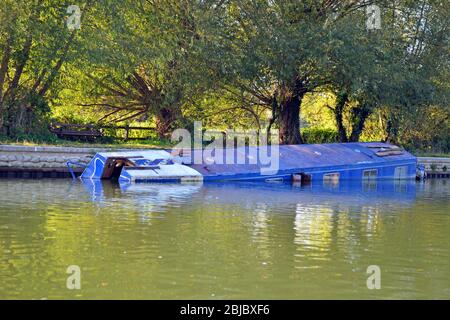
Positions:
{"x": 230, "y": 64}
{"x": 35, "y": 44}
{"x": 427, "y": 129}
{"x": 317, "y": 135}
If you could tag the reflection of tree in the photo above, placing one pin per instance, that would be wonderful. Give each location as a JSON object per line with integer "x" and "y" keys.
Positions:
{"x": 219, "y": 243}
{"x": 312, "y": 227}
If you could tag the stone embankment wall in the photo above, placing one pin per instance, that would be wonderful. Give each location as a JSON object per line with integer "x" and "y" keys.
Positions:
{"x": 436, "y": 167}
{"x": 432, "y": 164}
{"x": 24, "y": 161}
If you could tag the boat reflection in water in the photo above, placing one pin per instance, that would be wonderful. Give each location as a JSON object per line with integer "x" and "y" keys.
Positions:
{"x": 143, "y": 198}
{"x": 295, "y": 239}
{"x": 348, "y": 194}
{"x": 318, "y": 214}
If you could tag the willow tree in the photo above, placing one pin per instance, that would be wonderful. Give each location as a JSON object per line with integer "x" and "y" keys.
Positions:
{"x": 424, "y": 27}
{"x": 387, "y": 69}
{"x": 136, "y": 60}
{"x": 35, "y": 43}
{"x": 272, "y": 52}
{"x": 365, "y": 70}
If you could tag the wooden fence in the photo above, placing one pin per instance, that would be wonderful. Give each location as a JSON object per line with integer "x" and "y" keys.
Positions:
{"x": 90, "y": 131}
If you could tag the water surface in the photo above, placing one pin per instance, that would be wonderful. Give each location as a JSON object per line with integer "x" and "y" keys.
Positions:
{"x": 224, "y": 241}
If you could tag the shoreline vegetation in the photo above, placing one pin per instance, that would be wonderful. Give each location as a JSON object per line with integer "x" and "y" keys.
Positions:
{"x": 315, "y": 71}
{"x": 147, "y": 144}
{"x": 151, "y": 144}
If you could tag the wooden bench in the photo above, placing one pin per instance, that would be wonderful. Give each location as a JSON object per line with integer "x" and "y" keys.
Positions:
{"x": 75, "y": 131}
{"x": 91, "y": 132}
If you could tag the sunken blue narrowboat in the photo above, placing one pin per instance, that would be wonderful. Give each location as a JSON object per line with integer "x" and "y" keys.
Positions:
{"x": 314, "y": 162}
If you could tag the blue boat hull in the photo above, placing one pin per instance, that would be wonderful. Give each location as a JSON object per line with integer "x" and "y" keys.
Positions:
{"x": 329, "y": 163}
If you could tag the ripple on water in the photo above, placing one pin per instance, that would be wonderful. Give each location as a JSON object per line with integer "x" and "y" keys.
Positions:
{"x": 223, "y": 240}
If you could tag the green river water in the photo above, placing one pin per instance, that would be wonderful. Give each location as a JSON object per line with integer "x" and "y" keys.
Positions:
{"x": 224, "y": 241}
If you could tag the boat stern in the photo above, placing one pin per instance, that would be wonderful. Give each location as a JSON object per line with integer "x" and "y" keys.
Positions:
{"x": 140, "y": 166}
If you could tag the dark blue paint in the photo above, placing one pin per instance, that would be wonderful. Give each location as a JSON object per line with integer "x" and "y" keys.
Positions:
{"x": 348, "y": 159}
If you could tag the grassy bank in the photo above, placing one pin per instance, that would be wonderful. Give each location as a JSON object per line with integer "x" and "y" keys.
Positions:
{"x": 119, "y": 144}
{"x": 432, "y": 154}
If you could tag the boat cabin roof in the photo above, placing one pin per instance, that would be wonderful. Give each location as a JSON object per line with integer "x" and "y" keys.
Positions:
{"x": 305, "y": 156}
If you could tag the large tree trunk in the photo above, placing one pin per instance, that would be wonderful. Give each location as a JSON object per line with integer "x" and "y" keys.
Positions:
{"x": 5, "y": 64}
{"x": 289, "y": 121}
{"x": 289, "y": 114}
{"x": 392, "y": 128}
{"x": 55, "y": 71}
{"x": 3, "y": 72}
{"x": 24, "y": 57}
{"x": 359, "y": 116}
{"x": 342, "y": 99}
{"x": 165, "y": 123}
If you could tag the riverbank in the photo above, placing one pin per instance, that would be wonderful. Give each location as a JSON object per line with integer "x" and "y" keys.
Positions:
{"x": 20, "y": 161}
{"x": 436, "y": 167}
{"x": 40, "y": 161}
{"x": 29, "y": 159}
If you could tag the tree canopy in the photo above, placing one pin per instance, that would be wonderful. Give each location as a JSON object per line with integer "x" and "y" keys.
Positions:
{"x": 268, "y": 64}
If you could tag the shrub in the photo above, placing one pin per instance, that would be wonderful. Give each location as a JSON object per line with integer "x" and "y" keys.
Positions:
{"x": 317, "y": 135}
